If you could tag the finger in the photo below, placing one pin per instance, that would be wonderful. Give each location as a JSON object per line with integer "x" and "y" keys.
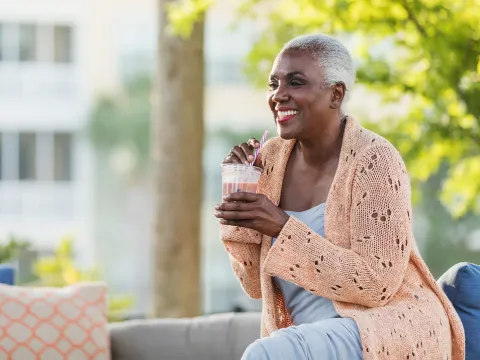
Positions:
{"x": 248, "y": 150}
{"x": 235, "y": 206}
{"x": 242, "y": 196}
{"x": 253, "y": 142}
{"x": 238, "y": 151}
{"x": 234, "y": 215}
{"x": 232, "y": 159}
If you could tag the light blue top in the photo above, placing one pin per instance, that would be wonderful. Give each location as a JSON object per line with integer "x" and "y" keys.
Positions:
{"x": 303, "y": 306}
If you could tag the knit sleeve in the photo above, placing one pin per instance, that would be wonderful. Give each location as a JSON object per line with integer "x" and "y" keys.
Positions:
{"x": 243, "y": 247}
{"x": 371, "y": 271}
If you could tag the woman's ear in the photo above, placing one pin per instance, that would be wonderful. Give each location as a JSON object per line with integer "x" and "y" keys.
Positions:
{"x": 338, "y": 94}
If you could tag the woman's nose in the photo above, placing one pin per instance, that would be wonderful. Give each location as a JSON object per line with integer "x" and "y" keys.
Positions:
{"x": 280, "y": 95}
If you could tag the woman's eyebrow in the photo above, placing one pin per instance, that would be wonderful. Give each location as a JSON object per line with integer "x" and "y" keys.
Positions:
{"x": 288, "y": 75}
{"x": 293, "y": 73}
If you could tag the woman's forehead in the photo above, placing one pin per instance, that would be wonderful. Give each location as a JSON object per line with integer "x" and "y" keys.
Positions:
{"x": 295, "y": 62}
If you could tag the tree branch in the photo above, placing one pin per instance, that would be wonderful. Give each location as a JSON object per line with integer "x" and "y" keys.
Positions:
{"x": 412, "y": 18}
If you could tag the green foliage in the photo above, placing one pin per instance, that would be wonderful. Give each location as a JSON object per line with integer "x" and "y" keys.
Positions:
{"x": 447, "y": 238}
{"x": 425, "y": 51}
{"x": 183, "y": 15}
{"x": 123, "y": 122}
{"x": 12, "y": 249}
{"x": 60, "y": 270}
{"x": 461, "y": 189}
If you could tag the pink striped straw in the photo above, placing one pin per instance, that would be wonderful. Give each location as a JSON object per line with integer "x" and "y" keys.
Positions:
{"x": 262, "y": 141}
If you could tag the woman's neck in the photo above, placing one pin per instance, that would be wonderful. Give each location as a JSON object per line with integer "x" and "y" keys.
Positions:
{"x": 323, "y": 145}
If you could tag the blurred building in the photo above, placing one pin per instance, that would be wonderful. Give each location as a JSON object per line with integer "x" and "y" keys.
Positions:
{"x": 56, "y": 58}
{"x": 45, "y": 172}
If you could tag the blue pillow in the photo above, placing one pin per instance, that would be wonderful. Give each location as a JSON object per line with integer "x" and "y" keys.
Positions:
{"x": 7, "y": 275}
{"x": 461, "y": 283}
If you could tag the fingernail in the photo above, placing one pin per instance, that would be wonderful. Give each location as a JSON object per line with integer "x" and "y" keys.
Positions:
{"x": 250, "y": 157}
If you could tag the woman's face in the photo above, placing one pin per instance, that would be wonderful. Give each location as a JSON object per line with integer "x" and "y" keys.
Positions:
{"x": 302, "y": 105}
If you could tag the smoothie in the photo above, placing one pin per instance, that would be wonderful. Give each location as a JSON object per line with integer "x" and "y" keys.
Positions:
{"x": 239, "y": 178}
{"x": 230, "y": 187}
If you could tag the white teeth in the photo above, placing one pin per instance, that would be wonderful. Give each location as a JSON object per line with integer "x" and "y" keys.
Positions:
{"x": 283, "y": 114}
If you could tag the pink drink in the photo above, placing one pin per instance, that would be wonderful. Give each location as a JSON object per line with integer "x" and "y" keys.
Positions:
{"x": 228, "y": 188}
{"x": 239, "y": 178}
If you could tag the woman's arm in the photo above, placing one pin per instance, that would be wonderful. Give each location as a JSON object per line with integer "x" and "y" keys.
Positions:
{"x": 372, "y": 270}
{"x": 243, "y": 247}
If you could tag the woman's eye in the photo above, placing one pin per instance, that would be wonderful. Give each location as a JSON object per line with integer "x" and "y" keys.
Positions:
{"x": 272, "y": 85}
{"x": 296, "y": 83}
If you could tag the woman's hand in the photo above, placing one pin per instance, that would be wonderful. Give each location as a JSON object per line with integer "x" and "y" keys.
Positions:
{"x": 253, "y": 211}
{"x": 243, "y": 154}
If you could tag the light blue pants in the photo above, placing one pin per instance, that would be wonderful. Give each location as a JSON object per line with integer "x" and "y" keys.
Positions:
{"x": 331, "y": 339}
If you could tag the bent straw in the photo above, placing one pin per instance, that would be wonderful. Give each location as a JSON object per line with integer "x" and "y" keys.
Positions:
{"x": 262, "y": 141}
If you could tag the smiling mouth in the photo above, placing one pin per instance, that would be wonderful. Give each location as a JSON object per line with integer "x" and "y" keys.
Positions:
{"x": 284, "y": 116}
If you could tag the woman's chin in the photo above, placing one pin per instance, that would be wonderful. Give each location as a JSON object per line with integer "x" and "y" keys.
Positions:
{"x": 285, "y": 133}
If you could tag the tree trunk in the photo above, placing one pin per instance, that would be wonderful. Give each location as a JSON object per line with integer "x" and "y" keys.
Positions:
{"x": 177, "y": 160}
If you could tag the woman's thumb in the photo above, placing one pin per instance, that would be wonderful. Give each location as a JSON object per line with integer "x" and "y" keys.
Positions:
{"x": 258, "y": 161}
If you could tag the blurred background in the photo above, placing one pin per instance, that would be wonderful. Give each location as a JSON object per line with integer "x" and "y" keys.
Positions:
{"x": 79, "y": 84}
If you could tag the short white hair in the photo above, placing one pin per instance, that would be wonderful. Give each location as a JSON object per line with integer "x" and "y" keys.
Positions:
{"x": 331, "y": 55}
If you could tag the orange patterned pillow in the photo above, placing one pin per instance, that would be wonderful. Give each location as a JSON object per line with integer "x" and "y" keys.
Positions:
{"x": 54, "y": 323}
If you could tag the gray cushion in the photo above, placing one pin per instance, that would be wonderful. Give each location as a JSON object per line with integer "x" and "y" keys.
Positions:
{"x": 222, "y": 337}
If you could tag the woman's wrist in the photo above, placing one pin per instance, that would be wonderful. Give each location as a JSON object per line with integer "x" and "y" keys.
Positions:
{"x": 281, "y": 223}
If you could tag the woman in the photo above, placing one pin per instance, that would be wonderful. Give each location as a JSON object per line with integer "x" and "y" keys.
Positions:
{"x": 327, "y": 241}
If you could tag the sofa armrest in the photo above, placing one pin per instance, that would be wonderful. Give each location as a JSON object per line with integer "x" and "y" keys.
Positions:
{"x": 222, "y": 337}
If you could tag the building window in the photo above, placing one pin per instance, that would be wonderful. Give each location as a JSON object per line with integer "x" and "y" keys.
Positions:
{"x": 1, "y": 42}
{"x": 28, "y": 42}
{"x": 27, "y": 156}
{"x": 62, "y": 157}
{"x": 9, "y": 156}
{"x": 1, "y": 159}
{"x": 9, "y": 42}
{"x": 62, "y": 43}
{"x": 32, "y": 156}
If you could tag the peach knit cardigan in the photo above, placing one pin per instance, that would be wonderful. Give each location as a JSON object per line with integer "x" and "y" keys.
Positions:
{"x": 368, "y": 263}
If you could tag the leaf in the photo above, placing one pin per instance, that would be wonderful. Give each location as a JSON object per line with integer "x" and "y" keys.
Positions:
{"x": 117, "y": 304}
{"x": 459, "y": 192}
{"x": 183, "y": 15}
{"x": 60, "y": 270}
